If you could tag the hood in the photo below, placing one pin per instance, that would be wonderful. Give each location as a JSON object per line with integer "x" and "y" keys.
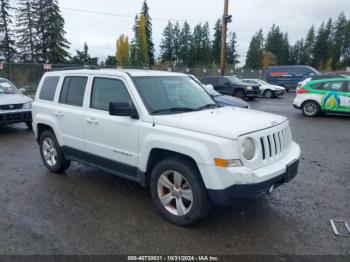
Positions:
{"x": 227, "y": 122}
{"x": 231, "y": 101}
{"x": 14, "y": 99}
{"x": 274, "y": 87}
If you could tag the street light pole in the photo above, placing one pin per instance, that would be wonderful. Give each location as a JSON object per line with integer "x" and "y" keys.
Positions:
{"x": 225, "y": 20}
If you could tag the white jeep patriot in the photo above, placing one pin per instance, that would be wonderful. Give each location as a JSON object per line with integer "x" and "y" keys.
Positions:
{"x": 163, "y": 131}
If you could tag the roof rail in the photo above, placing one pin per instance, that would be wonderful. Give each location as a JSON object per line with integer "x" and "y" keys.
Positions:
{"x": 91, "y": 67}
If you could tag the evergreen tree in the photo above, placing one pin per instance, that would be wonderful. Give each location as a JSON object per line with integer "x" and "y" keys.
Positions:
{"x": 196, "y": 55}
{"x": 345, "y": 61}
{"x": 123, "y": 50}
{"x": 216, "y": 43}
{"x": 143, "y": 49}
{"x": 7, "y": 42}
{"x": 285, "y": 50}
{"x": 134, "y": 46}
{"x": 338, "y": 40}
{"x": 297, "y": 55}
{"x": 167, "y": 44}
{"x": 148, "y": 21}
{"x": 110, "y": 61}
{"x": 52, "y": 44}
{"x": 177, "y": 42}
{"x": 323, "y": 45}
{"x": 205, "y": 46}
{"x": 276, "y": 43}
{"x": 309, "y": 45}
{"x": 185, "y": 44}
{"x": 232, "y": 55}
{"x": 26, "y": 34}
{"x": 254, "y": 57}
{"x": 83, "y": 57}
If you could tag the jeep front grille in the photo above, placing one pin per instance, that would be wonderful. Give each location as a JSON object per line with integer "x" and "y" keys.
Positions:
{"x": 275, "y": 144}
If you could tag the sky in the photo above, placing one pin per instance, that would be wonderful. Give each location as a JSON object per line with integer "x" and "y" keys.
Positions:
{"x": 100, "y": 31}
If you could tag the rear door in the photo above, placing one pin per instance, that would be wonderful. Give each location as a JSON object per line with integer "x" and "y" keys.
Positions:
{"x": 335, "y": 98}
{"x": 70, "y": 111}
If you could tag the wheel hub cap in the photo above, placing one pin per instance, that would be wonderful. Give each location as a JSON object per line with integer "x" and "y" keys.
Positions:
{"x": 49, "y": 151}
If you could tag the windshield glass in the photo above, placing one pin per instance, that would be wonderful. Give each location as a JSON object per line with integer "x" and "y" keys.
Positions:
{"x": 172, "y": 94}
{"x": 7, "y": 88}
{"x": 262, "y": 82}
{"x": 211, "y": 90}
{"x": 234, "y": 79}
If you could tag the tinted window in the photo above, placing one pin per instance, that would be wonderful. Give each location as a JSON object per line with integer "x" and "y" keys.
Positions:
{"x": 335, "y": 86}
{"x": 106, "y": 90}
{"x": 317, "y": 86}
{"x": 210, "y": 80}
{"x": 48, "y": 88}
{"x": 347, "y": 86}
{"x": 73, "y": 90}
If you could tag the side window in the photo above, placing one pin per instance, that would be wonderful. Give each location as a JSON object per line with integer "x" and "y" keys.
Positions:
{"x": 347, "y": 86}
{"x": 73, "y": 90}
{"x": 223, "y": 81}
{"x": 334, "y": 86}
{"x": 317, "y": 86}
{"x": 48, "y": 88}
{"x": 106, "y": 90}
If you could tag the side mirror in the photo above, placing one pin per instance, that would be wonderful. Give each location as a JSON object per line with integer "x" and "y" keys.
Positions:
{"x": 123, "y": 109}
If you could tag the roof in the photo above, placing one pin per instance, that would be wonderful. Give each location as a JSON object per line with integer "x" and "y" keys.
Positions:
{"x": 115, "y": 72}
{"x": 328, "y": 80}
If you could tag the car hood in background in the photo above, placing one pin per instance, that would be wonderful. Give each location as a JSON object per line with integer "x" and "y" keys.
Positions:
{"x": 272, "y": 87}
{"x": 231, "y": 101}
{"x": 12, "y": 99}
{"x": 227, "y": 122}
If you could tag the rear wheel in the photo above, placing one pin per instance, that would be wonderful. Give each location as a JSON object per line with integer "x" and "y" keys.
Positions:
{"x": 310, "y": 108}
{"x": 52, "y": 154}
{"x": 178, "y": 192}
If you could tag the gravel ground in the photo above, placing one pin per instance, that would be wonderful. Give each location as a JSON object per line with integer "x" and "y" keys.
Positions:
{"x": 87, "y": 211}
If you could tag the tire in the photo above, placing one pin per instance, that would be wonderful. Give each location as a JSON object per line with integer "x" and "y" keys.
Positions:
{"x": 29, "y": 125}
{"x": 162, "y": 183}
{"x": 268, "y": 93}
{"x": 239, "y": 94}
{"x": 52, "y": 154}
{"x": 310, "y": 108}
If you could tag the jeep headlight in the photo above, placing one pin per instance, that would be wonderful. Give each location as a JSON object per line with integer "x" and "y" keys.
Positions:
{"x": 248, "y": 148}
{"x": 27, "y": 105}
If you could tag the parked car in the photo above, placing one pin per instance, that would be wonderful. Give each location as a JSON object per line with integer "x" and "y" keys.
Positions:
{"x": 338, "y": 73}
{"x": 267, "y": 90}
{"x": 162, "y": 130}
{"x": 289, "y": 76}
{"x": 14, "y": 106}
{"x": 326, "y": 96}
{"x": 232, "y": 86}
{"x": 222, "y": 100}
{"x": 318, "y": 77}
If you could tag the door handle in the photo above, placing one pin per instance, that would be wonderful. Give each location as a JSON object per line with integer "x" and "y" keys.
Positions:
{"x": 92, "y": 121}
{"x": 59, "y": 114}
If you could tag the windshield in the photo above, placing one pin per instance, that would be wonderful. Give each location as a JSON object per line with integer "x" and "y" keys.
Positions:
{"x": 262, "y": 82}
{"x": 172, "y": 94}
{"x": 234, "y": 79}
{"x": 7, "y": 88}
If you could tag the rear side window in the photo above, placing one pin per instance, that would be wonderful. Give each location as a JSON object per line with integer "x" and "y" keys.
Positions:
{"x": 317, "y": 86}
{"x": 106, "y": 90}
{"x": 73, "y": 90}
{"x": 48, "y": 88}
{"x": 334, "y": 86}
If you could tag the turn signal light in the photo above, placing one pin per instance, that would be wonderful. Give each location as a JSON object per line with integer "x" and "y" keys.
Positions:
{"x": 302, "y": 91}
{"x": 227, "y": 162}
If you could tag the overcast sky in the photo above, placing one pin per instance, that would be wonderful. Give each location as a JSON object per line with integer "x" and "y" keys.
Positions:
{"x": 101, "y": 31}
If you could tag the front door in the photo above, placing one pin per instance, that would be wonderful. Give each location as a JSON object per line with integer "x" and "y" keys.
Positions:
{"x": 112, "y": 139}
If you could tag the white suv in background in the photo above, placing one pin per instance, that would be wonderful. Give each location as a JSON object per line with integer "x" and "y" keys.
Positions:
{"x": 163, "y": 131}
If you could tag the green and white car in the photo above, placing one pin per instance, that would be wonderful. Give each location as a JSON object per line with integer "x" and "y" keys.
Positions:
{"x": 327, "y": 96}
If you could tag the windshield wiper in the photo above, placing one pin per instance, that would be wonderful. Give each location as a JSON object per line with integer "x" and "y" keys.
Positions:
{"x": 174, "y": 109}
{"x": 207, "y": 106}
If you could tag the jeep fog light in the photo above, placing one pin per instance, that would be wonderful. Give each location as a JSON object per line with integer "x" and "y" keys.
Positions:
{"x": 227, "y": 162}
{"x": 248, "y": 148}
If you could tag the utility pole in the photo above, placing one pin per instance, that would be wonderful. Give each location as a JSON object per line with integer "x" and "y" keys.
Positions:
{"x": 225, "y": 20}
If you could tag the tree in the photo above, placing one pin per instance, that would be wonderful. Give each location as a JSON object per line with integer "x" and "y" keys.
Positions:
{"x": 26, "y": 34}
{"x": 254, "y": 58}
{"x": 185, "y": 44}
{"x": 309, "y": 45}
{"x": 216, "y": 43}
{"x": 277, "y": 44}
{"x": 345, "y": 61}
{"x": 205, "y": 45}
{"x": 7, "y": 43}
{"x": 123, "y": 50}
{"x": 148, "y": 26}
{"x": 167, "y": 44}
{"x": 143, "y": 49}
{"x": 83, "y": 57}
{"x": 52, "y": 44}
{"x": 110, "y": 61}
{"x": 232, "y": 55}
{"x": 134, "y": 46}
{"x": 297, "y": 54}
{"x": 323, "y": 45}
{"x": 177, "y": 42}
{"x": 338, "y": 40}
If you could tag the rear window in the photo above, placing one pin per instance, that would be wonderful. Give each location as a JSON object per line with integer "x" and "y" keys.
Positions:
{"x": 73, "y": 90}
{"x": 48, "y": 88}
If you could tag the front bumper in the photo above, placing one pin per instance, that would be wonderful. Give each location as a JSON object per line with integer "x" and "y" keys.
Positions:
{"x": 16, "y": 116}
{"x": 252, "y": 93}
{"x": 248, "y": 191}
{"x": 297, "y": 102}
{"x": 278, "y": 93}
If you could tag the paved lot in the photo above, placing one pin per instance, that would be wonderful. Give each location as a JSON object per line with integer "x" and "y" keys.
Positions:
{"x": 87, "y": 211}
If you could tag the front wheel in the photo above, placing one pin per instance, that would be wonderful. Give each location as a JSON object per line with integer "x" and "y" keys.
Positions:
{"x": 239, "y": 94}
{"x": 178, "y": 191}
{"x": 52, "y": 154}
{"x": 310, "y": 108}
{"x": 268, "y": 93}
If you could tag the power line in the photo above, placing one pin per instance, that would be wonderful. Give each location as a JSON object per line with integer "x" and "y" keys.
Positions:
{"x": 130, "y": 16}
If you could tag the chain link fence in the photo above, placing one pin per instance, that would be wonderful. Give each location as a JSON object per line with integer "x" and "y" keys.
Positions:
{"x": 28, "y": 75}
